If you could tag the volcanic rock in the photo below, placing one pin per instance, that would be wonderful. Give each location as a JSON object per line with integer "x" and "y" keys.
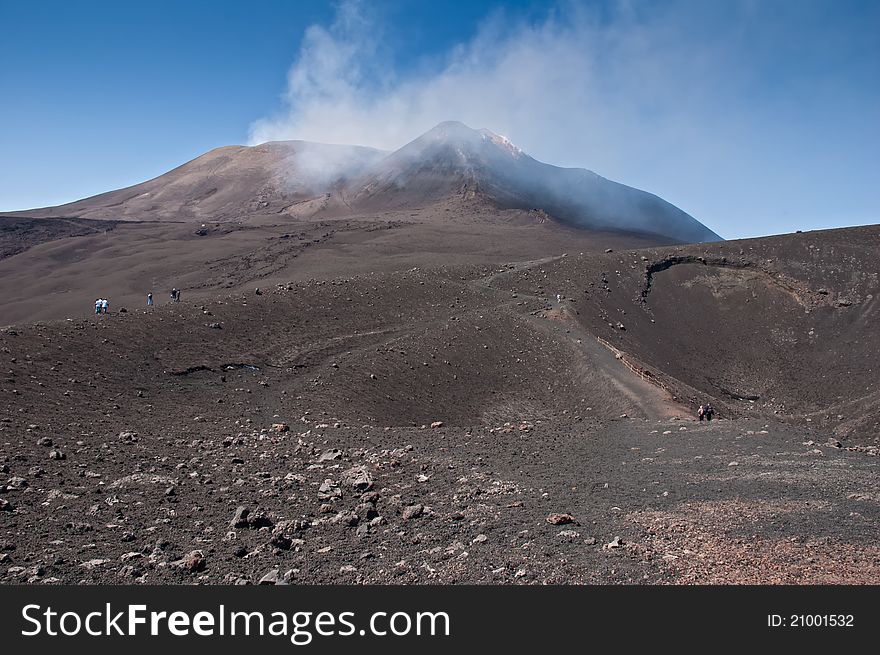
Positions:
{"x": 412, "y": 511}
{"x": 560, "y": 519}
{"x": 359, "y": 478}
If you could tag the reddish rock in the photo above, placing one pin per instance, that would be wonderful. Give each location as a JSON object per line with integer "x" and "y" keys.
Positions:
{"x": 560, "y": 519}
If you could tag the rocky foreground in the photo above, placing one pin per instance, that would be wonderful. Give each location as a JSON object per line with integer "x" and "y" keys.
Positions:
{"x": 319, "y": 501}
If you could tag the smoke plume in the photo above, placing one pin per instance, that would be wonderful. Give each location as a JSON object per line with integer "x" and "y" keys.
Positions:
{"x": 669, "y": 97}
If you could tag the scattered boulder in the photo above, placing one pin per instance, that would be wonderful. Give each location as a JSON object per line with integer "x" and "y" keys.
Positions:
{"x": 44, "y": 441}
{"x": 5, "y": 505}
{"x": 244, "y": 518}
{"x": 370, "y": 497}
{"x": 131, "y": 571}
{"x": 412, "y": 511}
{"x": 366, "y": 511}
{"x": 259, "y": 520}
{"x": 330, "y": 455}
{"x": 617, "y": 542}
{"x": 280, "y": 427}
{"x": 437, "y": 424}
{"x": 239, "y": 520}
{"x": 560, "y": 519}
{"x": 348, "y": 519}
{"x": 329, "y": 489}
{"x": 272, "y": 578}
{"x": 193, "y": 562}
{"x": 280, "y": 540}
{"x": 359, "y": 478}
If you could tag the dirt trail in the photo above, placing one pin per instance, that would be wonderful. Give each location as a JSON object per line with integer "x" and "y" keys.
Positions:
{"x": 648, "y": 400}
{"x": 513, "y": 267}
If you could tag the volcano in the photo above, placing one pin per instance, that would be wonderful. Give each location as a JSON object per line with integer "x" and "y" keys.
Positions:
{"x": 455, "y": 160}
{"x": 406, "y": 366}
{"x": 450, "y": 162}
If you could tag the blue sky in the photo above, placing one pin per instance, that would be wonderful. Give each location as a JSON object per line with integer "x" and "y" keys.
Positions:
{"x": 755, "y": 116}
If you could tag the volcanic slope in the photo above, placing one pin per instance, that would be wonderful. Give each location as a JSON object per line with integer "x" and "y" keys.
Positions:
{"x": 61, "y": 276}
{"x": 228, "y": 183}
{"x": 451, "y": 162}
{"x": 289, "y": 433}
{"x": 781, "y": 326}
{"x": 455, "y": 160}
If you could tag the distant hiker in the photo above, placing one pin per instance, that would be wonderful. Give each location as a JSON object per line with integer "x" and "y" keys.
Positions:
{"x": 175, "y": 295}
{"x": 105, "y": 305}
{"x": 149, "y": 300}
{"x": 710, "y": 411}
{"x": 97, "y": 305}
{"x": 702, "y": 412}
{"x": 558, "y": 297}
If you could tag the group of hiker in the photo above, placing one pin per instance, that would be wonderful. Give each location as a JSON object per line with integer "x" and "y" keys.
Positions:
{"x": 102, "y": 305}
{"x": 706, "y": 411}
{"x": 175, "y": 297}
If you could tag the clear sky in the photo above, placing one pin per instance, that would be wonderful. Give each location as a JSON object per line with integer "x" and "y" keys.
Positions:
{"x": 755, "y": 116}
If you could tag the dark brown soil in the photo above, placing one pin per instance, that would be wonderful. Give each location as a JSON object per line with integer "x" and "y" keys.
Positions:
{"x": 54, "y": 277}
{"x": 19, "y": 234}
{"x": 128, "y": 441}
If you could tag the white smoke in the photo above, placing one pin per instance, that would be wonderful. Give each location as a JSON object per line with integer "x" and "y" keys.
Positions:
{"x": 532, "y": 82}
{"x": 613, "y": 94}
{"x": 658, "y": 96}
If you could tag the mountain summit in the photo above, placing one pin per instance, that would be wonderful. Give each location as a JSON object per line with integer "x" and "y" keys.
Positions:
{"x": 454, "y": 159}
{"x": 449, "y": 162}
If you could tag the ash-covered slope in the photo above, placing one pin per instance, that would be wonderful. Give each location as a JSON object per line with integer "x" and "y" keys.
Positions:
{"x": 453, "y": 159}
{"x": 227, "y": 183}
{"x": 782, "y": 326}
